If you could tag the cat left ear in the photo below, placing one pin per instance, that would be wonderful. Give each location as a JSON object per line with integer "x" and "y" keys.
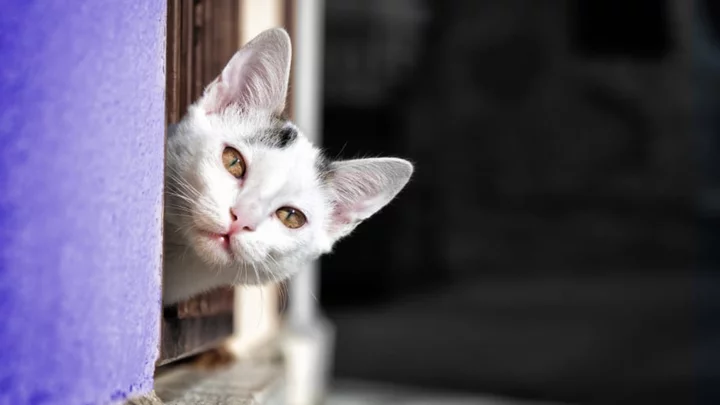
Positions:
{"x": 361, "y": 187}
{"x": 255, "y": 78}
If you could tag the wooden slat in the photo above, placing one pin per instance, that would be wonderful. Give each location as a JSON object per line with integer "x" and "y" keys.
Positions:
{"x": 172, "y": 63}
{"x": 196, "y": 324}
{"x": 185, "y": 337}
{"x": 214, "y": 303}
{"x": 186, "y": 54}
{"x": 228, "y": 31}
{"x": 209, "y": 42}
{"x": 219, "y": 51}
{"x": 198, "y": 80}
{"x": 202, "y": 37}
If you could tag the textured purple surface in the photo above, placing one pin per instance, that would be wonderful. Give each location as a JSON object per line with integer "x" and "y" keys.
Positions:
{"x": 81, "y": 155}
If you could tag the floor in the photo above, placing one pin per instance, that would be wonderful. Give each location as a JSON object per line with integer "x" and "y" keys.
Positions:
{"x": 245, "y": 384}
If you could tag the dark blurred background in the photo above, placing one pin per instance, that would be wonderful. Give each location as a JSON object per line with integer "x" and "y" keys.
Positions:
{"x": 549, "y": 245}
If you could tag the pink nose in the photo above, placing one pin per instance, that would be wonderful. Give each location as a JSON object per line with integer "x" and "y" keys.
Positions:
{"x": 240, "y": 223}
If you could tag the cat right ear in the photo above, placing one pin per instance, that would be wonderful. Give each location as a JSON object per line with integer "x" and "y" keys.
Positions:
{"x": 255, "y": 78}
{"x": 361, "y": 187}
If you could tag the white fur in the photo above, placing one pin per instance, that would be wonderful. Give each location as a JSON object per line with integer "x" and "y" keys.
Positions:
{"x": 235, "y": 108}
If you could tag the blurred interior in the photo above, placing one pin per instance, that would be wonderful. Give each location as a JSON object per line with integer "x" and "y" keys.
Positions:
{"x": 547, "y": 247}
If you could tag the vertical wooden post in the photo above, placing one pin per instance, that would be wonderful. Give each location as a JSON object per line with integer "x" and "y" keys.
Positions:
{"x": 257, "y": 318}
{"x": 307, "y": 336}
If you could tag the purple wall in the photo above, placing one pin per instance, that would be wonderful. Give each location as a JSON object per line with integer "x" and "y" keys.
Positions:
{"x": 81, "y": 155}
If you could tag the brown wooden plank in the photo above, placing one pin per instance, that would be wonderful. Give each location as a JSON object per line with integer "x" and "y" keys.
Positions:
{"x": 196, "y": 324}
{"x": 235, "y": 11}
{"x": 214, "y": 303}
{"x": 221, "y": 32}
{"x": 209, "y": 45}
{"x": 184, "y": 337}
{"x": 186, "y": 81}
{"x": 172, "y": 62}
{"x": 198, "y": 51}
{"x": 228, "y": 31}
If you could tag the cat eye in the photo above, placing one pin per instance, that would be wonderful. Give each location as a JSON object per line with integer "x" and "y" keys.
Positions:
{"x": 233, "y": 162}
{"x": 291, "y": 217}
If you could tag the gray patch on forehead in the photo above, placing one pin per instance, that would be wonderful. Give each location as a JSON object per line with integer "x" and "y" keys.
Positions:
{"x": 280, "y": 135}
{"x": 285, "y": 136}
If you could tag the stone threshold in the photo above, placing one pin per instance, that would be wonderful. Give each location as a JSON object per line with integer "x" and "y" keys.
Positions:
{"x": 242, "y": 383}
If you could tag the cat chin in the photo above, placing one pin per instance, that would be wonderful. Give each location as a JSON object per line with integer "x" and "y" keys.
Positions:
{"x": 234, "y": 262}
{"x": 250, "y": 274}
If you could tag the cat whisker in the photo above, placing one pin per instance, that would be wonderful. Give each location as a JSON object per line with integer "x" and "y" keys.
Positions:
{"x": 282, "y": 286}
{"x": 183, "y": 190}
{"x": 185, "y": 251}
{"x": 179, "y": 182}
{"x": 184, "y": 197}
{"x": 181, "y": 214}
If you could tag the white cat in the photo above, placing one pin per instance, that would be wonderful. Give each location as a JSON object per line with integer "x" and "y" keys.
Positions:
{"x": 248, "y": 198}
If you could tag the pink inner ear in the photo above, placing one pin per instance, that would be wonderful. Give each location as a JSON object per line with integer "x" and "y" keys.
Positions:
{"x": 341, "y": 217}
{"x": 348, "y": 213}
{"x": 220, "y": 97}
{"x": 237, "y": 84}
{"x": 339, "y": 220}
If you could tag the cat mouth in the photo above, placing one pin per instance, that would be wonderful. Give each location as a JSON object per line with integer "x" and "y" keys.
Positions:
{"x": 222, "y": 240}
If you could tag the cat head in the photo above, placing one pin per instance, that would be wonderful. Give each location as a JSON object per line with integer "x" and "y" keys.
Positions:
{"x": 246, "y": 188}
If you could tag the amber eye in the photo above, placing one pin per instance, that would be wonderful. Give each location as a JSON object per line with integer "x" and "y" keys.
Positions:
{"x": 291, "y": 217}
{"x": 233, "y": 161}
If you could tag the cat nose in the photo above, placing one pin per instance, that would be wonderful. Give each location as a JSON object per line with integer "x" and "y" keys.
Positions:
{"x": 240, "y": 223}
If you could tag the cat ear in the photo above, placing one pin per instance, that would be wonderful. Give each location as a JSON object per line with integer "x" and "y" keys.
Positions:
{"x": 255, "y": 78}
{"x": 361, "y": 188}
